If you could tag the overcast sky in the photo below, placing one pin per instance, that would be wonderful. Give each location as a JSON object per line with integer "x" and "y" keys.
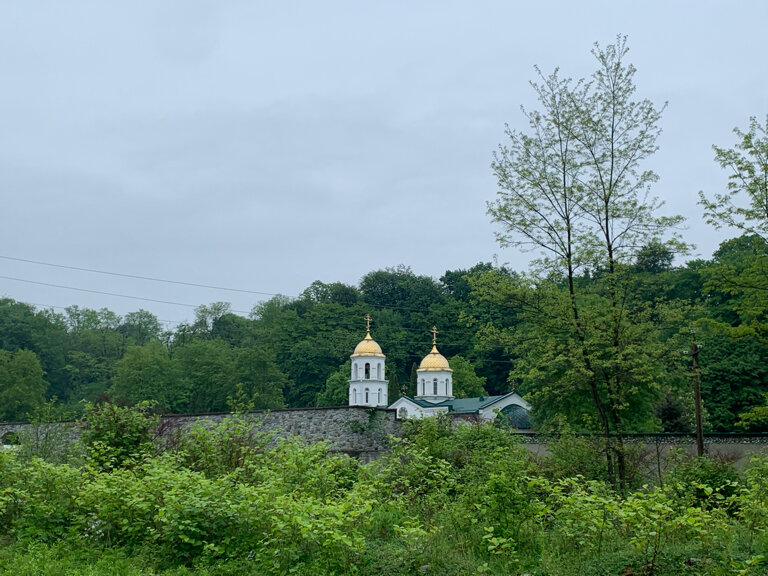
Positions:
{"x": 265, "y": 145}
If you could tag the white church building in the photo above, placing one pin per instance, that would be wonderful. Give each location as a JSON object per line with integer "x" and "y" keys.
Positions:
{"x": 434, "y": 389}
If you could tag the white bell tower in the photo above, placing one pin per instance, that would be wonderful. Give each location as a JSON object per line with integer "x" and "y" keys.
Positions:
{"x": 367, "y": 386}
{"x": 434, "y": 377}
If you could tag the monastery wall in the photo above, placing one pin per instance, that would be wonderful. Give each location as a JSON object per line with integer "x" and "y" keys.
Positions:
{"x": 355, "y": 430}
{"x": 362, "y": 432}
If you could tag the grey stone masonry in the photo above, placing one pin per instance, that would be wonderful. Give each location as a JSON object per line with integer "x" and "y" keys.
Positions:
{"x": 356, "y": 430}
{"x": 364, "y": 432}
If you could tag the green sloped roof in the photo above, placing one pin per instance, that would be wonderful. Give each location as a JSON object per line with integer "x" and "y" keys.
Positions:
{"x": 514, "y": 415}
{"x": 470, "y": 405}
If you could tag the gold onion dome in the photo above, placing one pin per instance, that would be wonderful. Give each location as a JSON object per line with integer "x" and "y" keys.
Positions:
{"x": 434, "y": 361}
{"x": 367, "y": 347}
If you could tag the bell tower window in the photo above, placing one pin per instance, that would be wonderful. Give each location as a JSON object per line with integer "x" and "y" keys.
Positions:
{"x": 434, "y": 387}
{"x": 367, "y": 371}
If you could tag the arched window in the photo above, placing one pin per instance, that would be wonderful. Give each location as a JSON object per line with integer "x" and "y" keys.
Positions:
{"x": 434, "y": 387}
{"x": 378, "y": 371}
{"x": 355, "y": 377}
{"x": 423, "y": 388}
{"x": 366, "y": 396}
{"x": 354, "y": 396}
{"x": 367, "y": 371}
{"x": 379, "y": 397}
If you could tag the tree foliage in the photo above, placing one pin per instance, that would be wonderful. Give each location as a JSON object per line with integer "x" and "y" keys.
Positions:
{"x": 574, "y": 188}
{"x": 22, "y": 387}
{"x": 745, "y": 205}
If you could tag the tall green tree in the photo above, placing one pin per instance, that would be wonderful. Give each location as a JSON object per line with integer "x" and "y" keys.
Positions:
{"x": 261, "y": 378}
{"x": 209, "y": 374}
{"x": 336, "y": 391}
{"x": 737, "y": 279}
{"x": 574, "y": 189}
{"x": 147, "y": 373}
{"x": 44, "y": 333}
{"x": 141, "y": 327}
{"x": 466, "y": 383}
{"x": 745, "y": 204}
{"x": 22, "y": 385}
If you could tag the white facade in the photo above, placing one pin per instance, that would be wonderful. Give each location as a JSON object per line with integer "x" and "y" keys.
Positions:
{"x": 407, "y": 408}
{"x": 434, "y": 377}
{"x": 484, "y": 409}
{"x": 434, "y": 386}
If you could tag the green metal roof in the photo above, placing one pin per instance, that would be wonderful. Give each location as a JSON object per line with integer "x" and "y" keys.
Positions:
{"x": 473, "y": 406}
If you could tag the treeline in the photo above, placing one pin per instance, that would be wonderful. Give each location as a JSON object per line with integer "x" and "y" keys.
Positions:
{"x": 292, "y": 352}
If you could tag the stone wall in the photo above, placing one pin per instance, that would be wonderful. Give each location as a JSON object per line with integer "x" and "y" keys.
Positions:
{"x": 363, "y": 432}
{"x": 652, "y": 451}
{"x": 354, "y": 430}
{"x": 10, "y": 430}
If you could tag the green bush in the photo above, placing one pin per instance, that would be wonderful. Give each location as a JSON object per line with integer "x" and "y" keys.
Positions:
{"x": 50, "y": 436}
{"x": 702, "y": 481}
{"x": 37, "y": 498}
{"x": 117, "y": 436}
{"x": 220, "y": 448}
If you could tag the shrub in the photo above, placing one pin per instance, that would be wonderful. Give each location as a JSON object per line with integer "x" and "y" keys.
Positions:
{"x": 117, "y": 437}
{"x": 702, "y": 481}
{"x": 50, "y": 436}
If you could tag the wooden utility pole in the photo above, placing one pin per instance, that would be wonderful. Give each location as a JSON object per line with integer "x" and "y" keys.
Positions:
{"x": 695, "y": 348}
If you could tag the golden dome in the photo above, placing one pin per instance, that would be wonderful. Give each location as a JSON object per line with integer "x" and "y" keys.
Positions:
{"x": 434, "y": 362}
{"x": 367, "y": 347}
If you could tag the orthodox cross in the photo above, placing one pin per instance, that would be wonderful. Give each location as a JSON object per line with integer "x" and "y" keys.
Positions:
{"x": 434, "y": 335}
{"x": 367, "y": 322}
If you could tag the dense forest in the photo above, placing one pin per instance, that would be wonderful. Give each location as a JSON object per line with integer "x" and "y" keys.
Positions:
{"x": 293, "y": 352}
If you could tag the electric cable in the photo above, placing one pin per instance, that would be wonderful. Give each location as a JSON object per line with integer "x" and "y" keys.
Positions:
{"x": 149, "y": 278}
{"x": 108, "y": 293}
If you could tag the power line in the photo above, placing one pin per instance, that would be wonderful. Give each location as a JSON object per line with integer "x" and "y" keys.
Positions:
{"x": 177, "y": 282}
{"x": 108, "y": 293}
{"x": 183, "y": 283}
{"x": 149, "y": 278}
{"x": 452, "y": 332}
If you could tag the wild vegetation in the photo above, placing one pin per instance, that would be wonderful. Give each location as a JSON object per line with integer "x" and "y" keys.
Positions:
{"x": 221, "y": 499}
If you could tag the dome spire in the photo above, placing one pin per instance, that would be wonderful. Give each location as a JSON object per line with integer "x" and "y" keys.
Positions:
{"x": 367, "y": 346}
{"x": 434, "y": 361}
{"x": 434, "y": 375}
